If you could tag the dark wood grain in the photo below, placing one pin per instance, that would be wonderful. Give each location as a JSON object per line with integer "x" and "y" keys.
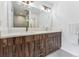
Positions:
{"x": 38, "y": 45}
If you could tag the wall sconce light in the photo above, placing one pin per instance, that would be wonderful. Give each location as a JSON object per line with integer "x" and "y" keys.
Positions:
{"x": 46, "y": 8}
{"x": 27, "y": 2}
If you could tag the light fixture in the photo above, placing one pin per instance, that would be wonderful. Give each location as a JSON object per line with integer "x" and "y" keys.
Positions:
{"x": 46, "y": 8}
{"x": 27, "y": 2}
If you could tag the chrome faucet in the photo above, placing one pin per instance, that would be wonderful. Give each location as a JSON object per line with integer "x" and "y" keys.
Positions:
{"x": 26, "y": 28}
{"x": 27, "y": 25}
{"x": 46, "y": 28}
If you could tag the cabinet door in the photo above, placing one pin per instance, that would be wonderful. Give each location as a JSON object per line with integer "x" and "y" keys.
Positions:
{"x": 5, "y": 51}
{"x": 26, "y": 50}
{"x": 59, "y": 39}
{"x": 1, "y": 48}
{"x": 42, "y": 45}
{"x": 36, "y": 50}
{"x": 29, "y": 46}
{"x": 10, "y": 46}
{"x": 10, "y": 51}
{"x": 31, "y": 49}
{"x": 10, "y": 41}
{"x": 50, "y": 44}
{"x": 36, "y": 45}
{"x": 5, "y": 48}
{"x": 1, "y": 51}
{"x": 18, "y": 40}
{"x": 47, "y": 45}
{"x": 55, "y": 41}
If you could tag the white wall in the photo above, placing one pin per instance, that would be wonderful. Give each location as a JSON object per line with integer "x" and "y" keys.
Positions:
{"x": 0, "y": 14}
{"x": 3, "y": 17}
{"x": 45, "y": 20}
{"x": 66, "y": 18}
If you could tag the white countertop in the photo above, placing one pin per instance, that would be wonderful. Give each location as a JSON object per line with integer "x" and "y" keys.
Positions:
{"x": 25, "y": 34}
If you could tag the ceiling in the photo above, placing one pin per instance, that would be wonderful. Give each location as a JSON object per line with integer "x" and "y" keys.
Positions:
{"x": 19, "y": 6}
{"x": 47, "y": 3}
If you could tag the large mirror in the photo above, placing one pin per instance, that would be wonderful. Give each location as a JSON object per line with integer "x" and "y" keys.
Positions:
{"x": 20, "y": 15}
{"x": 31, "y": 14}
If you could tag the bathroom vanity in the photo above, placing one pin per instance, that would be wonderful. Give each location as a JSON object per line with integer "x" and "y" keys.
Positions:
{"x": 32, "y": 45}
{"x": 27, "y": 30}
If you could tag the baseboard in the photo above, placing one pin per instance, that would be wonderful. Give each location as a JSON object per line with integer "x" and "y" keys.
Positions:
{"x": 69, "y": 52}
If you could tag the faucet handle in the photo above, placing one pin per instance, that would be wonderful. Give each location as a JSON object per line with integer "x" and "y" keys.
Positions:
{"x": 46, "y": 28}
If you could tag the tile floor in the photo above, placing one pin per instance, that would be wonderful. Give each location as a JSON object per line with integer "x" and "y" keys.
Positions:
{"x": 60, "y": 53}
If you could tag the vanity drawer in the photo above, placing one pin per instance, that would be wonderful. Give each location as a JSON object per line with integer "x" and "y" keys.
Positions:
{"x": 28, "y": 38}
{"x": 40, "y": 36}
{"x": 37, "y": 37}
{"x": 4, "y": 42}
{"x": 10, "y": 41}
{"x": 18, "y": 40}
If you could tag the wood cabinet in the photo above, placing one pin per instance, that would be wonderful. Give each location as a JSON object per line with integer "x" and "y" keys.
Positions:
{"x": 38, "y": 45}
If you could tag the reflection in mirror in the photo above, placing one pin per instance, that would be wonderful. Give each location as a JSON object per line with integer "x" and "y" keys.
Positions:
{"x": 33, "y": 15}
{"x": 21, "y": 15}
